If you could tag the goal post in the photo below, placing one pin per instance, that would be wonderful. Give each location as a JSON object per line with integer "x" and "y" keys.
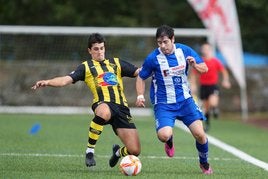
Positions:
{"x": 113, "y": 31}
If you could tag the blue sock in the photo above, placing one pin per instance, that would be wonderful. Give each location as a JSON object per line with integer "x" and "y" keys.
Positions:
{"x": 202, "y": 152}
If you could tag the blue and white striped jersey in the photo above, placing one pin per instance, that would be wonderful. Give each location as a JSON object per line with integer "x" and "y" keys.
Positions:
{"x": 169, "y": 74}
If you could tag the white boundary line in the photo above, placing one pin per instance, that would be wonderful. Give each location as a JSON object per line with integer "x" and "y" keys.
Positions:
{"x": 63, "y": 110}
{"x": 236, "y": 152}
{"x": 106, "y": 156}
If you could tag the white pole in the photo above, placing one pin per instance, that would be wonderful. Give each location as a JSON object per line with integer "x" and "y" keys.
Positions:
{"x": 244, "y": 103}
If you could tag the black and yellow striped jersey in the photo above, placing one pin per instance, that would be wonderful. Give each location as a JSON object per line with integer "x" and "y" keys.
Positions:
{"x": 104, "y": 78}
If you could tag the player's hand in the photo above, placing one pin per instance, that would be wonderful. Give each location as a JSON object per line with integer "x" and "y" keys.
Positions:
{"x": 226, "y": 84}
{"x": 191, "y": 60}
{"x": 140, "y": 101}
{"x": 40, "y": 84}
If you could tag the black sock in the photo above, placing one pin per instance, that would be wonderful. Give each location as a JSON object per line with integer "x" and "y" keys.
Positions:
{"x": 170, "y": 142}
{"x": 207, "y": 116}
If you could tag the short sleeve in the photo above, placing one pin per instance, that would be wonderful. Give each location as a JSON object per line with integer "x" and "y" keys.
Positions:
{"x": 127, "y": 69}
{"x": 78, "y": 74}
{"x": 146, "y": 69}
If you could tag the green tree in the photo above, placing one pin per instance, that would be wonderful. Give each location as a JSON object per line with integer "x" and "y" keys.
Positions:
{"x": 254, "y": 25}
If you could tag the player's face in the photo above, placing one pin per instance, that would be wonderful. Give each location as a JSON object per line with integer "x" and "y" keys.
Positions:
{"x": 166, "y": 44}
{"x": 97, "y": 51}
{"x": 206, "y": 51}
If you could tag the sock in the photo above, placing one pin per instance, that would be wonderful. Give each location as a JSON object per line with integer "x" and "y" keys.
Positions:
{"x": 90, "y": 150}
{"x": 122, "y": 152}
{"x": 170, "y": 142}
{"x": 202, "y": 152}
{"x": 207, "y": 116}
{"x": 215, "y": 111}
{"x": 95, "y": 129}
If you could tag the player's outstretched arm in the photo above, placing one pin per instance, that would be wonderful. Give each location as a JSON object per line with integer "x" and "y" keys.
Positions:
{"x": 54, "y": 82}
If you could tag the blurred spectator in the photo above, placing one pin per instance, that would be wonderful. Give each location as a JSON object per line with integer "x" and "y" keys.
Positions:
{"x": 208, "y": 83}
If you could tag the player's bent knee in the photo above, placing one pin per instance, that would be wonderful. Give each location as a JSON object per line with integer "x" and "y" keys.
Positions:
{"x": 164, "y": 134}
{"x": 163, "y": 137}
{"x": 134, "y": 151}
{"x": 200, "y": 138}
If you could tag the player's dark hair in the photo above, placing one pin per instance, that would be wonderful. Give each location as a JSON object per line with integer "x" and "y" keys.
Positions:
{"x": 95, "y": 38}
{"x": 164, "y": 30}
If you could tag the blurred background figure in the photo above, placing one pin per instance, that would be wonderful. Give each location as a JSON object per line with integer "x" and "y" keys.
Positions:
{"x": 208, "y": 83}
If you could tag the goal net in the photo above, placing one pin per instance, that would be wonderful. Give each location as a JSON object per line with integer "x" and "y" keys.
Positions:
{"x": 30, "y": 53}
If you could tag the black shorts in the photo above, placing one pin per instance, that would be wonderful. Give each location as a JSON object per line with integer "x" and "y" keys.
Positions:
{"x": 120, "y": 116}
{"x": 207, "y": 90}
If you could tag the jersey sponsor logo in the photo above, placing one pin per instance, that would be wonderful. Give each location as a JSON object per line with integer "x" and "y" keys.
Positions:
{"x": 107, "y": 79}
{"x": 174, "y": 71}
{"x": 177, "y": 80}
{"x": 166, "y": 72}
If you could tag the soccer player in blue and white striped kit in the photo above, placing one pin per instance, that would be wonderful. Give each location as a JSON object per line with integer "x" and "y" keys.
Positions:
{"x": 168, "y": 66}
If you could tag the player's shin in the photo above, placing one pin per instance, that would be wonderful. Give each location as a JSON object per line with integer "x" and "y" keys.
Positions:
{"x": 95, "y": 130}
{"x": 202, "y": 152}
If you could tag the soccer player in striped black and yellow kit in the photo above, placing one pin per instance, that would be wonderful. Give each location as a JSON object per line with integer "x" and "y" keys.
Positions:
{"x": 104, "y": 78}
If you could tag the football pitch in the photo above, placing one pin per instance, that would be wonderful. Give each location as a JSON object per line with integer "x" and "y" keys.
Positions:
{"x": 53, "y": 146}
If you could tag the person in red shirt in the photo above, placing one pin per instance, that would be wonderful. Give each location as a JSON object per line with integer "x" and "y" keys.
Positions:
{"x": 208, "y": 83}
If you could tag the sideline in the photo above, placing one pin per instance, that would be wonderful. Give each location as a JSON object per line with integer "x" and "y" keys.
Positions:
{"x": 63, "y": 110}
{"x": 228, "y": 148}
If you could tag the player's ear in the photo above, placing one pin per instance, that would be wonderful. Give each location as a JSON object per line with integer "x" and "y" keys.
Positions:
{"x": 89, "y": 50}
{"x": 172, "y": 39}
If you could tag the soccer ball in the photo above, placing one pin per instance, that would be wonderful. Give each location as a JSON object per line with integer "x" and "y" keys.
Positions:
{"x": 130, "y": 165}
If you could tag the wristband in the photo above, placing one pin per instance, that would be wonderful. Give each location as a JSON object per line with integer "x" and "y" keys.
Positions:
{"x": 140, "y": 97}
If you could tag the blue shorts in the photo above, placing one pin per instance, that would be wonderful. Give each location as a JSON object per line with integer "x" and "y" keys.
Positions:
{"x": 187, "y": 111}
